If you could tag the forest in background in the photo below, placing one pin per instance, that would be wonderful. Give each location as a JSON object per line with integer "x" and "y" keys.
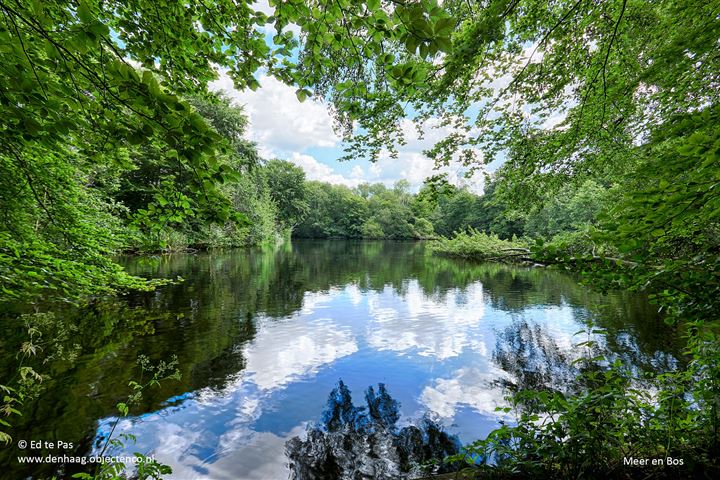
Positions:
{"x": 608, "y": 123}
{"x": 146, "y": 201}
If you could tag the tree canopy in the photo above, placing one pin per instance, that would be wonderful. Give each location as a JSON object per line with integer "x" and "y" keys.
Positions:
{"x": 92, "y": 87}
{"x": 603, "y": 116}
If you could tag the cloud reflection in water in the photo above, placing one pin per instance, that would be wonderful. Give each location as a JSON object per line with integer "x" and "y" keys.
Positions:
{"x": 439, "y": 344}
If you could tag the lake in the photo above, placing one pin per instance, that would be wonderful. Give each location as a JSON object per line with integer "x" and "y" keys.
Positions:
{"x": 263, "y": 335}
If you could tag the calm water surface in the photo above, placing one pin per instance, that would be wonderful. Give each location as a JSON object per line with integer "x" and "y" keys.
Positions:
{"x": 262, "y": 336}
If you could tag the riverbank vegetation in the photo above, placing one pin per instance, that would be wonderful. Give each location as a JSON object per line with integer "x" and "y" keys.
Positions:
{"x": 604, "y": 117}
{"x": 480, "y": 246}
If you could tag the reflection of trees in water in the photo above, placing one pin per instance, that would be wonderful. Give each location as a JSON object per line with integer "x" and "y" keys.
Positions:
{"x": 637, "y": 335}
{"x": 532, "y": 358}
{"x": 535, "y": 361}
{"x": 365, "y": 442}
{"x": 207, "y": 319}
{"x": 226, "y": 286}
{"x": 635, "y": 332}
{"x": 79, "y": 390}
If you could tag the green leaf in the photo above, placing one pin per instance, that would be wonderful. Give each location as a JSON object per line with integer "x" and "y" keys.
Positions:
{"x": 123, "y": 409}
{"x": 84, "y": 12}
{"x": 301, "y": 94}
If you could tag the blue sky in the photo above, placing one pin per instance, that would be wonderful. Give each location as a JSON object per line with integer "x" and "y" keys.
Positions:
{"x": 302, "y": 133}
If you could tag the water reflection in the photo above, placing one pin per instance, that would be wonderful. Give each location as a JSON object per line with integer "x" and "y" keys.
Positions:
{"x": 471, "y": 387}
{"x": 276, "y": 359}
{"x": 437, "y": 325}
{"x": 263, "y": 335}
{"x": 532, "y": 358}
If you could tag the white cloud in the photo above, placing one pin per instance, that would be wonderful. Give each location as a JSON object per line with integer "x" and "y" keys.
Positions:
{"x": 273, "y": 361}
{"x": 279, "y": 122}
{"x": 314, "y": 170}
{"x": 357, "y": 172}
{"x": 468, "y": 386}
{"x": 284, "y": 127}
{"x": 438, "y": 328}
{"x": 354, "y": 294}
{"x": 264, "y": 7}
{"x": 263, "y": 458}
{"x": 414, "y": 166}
{"x": 554, "y": 120}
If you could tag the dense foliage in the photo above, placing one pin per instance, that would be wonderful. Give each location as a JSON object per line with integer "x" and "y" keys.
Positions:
{"x": 437, "y": 209}
{"x": 609, "y": 125}
{"x": 96, "y": 94}
{"x": 605, "y": 114}
{"x": 480, "y": 246}
{"x": 368, "y": 211}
